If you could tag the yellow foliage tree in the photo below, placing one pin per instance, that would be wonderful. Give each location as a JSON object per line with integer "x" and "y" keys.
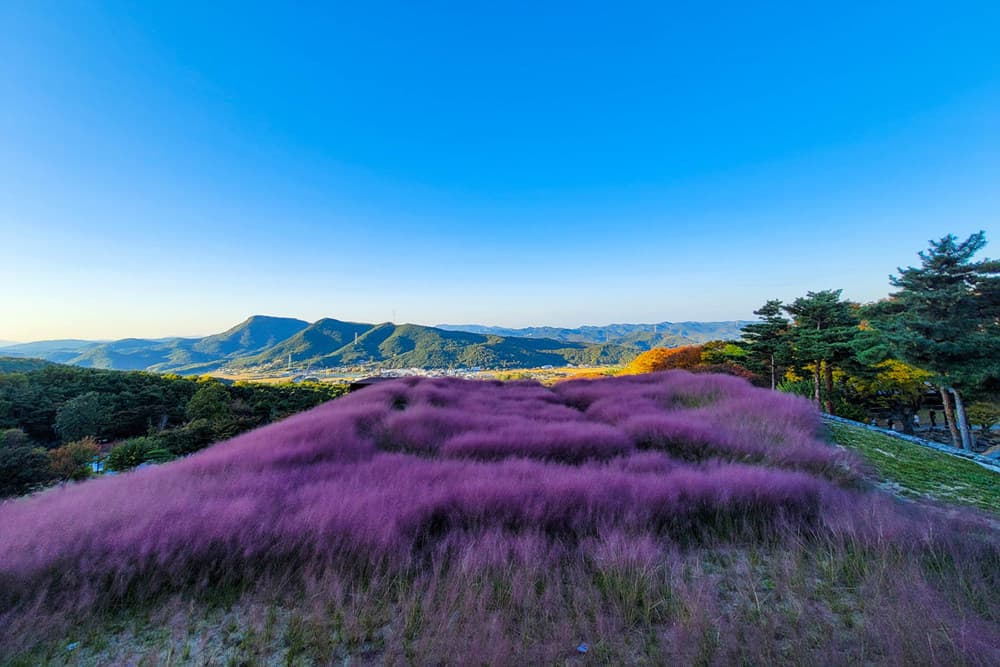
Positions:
{"x": 899, "y": 387}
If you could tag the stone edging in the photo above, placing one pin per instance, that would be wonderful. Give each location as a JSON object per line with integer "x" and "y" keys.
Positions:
{"x": 987, "y": 463}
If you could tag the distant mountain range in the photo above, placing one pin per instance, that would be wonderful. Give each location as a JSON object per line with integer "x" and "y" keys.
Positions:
{"x": 274, "y": 342}
{"x": 644, "y": 336}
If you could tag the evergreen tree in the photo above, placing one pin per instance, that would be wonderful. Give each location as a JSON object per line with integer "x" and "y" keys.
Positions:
{"x": 824, "y": 328}
{"x": 212, "y": 401}
{"x": 944, "y": 318}
{"x": 82, "y": 416}
{"x": 767, "y": 342}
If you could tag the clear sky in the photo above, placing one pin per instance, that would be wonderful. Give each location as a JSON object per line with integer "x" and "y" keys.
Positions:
{"x": 169, "y": 168}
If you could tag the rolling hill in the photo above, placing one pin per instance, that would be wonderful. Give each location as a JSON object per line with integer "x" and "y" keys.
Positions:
{"x": 59, "y": 351}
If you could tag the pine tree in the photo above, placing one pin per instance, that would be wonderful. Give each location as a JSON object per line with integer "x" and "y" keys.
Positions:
{"x": 945, "y": 319}
{"x": 767, "y": 342}
{"x": 824, "y": 329}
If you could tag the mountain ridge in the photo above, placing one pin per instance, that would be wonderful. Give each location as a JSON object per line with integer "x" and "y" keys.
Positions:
{"x": 271, "y": 343}
{"x": 680, "y": 333}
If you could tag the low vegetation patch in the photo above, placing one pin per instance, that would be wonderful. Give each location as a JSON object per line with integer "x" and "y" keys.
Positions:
{"x": 915, "y": 471}
{"x": 664, "y": 517}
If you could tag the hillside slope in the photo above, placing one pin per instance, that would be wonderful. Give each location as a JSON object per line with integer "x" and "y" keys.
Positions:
{"x": 666, "y": 518}
{"x": 137, "y": 354}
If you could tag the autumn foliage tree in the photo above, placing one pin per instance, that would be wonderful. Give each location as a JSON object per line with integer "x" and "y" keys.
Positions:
{"x": 72, "y": 460}
{"x": 664, "y": 359}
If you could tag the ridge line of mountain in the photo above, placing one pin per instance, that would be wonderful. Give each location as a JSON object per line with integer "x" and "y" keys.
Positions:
{"x": 268, "y": 342}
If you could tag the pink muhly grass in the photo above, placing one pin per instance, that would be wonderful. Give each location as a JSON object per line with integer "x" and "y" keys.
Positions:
{"x": 614, "y": 472}
{"x": 567, "y": 442}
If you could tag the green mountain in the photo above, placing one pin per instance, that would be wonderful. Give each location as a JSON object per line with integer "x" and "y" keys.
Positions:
{"x": 316, "y": 341}
{"x": 330, "y": 343}
{"x": 253, "y": 335}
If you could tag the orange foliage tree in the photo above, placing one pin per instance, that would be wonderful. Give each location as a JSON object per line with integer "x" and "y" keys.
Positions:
{"x": 663, "y": 359}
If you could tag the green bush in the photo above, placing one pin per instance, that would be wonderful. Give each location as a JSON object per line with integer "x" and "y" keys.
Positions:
{"x": 803, "y": 388}
{"x": 984, "y": 414}
{"x": 134, "y": 451}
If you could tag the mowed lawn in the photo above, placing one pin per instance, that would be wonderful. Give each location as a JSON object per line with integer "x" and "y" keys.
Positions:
{"x": 915, "y": 471}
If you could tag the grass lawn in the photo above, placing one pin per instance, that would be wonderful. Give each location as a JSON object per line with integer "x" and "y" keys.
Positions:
{"x": 917, "y": 471}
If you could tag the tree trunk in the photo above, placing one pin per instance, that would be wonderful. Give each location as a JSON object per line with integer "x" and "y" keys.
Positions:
{"x": 963, "y": 423}
{"x": 949, "y": 416}
{"x": 773, "y": 383}
{"x": 828, "y": 381}
{"x": 816, "y": 384}
{"x": 907, "y": 421}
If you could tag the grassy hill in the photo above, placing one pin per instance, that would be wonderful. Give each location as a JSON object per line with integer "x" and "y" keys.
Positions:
{"x": 659, "y": 519}
{"x": 919, "y": 472}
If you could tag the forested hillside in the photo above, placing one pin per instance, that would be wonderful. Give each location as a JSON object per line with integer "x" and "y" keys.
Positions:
{"x": 55, "y": 419}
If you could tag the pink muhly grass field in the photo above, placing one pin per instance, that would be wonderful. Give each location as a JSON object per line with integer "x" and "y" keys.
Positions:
{"x": 606, "y": 473}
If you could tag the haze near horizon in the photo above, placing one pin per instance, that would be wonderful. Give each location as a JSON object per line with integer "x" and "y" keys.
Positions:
{"x": 169, "y": 170}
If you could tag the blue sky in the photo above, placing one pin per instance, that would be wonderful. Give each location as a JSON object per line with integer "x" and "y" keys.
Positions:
{"x": 170, "y": 168}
